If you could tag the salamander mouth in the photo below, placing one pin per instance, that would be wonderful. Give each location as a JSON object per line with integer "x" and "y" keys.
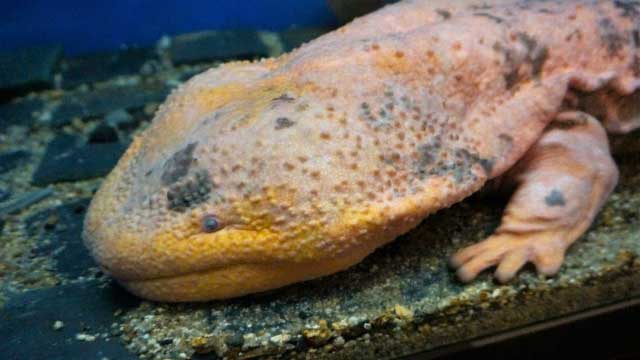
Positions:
{"x": 215, "y": 283}
{"x": 237, "y": 280}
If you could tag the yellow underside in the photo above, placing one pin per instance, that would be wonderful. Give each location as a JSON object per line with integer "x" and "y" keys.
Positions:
{"x": 238, "y": 280}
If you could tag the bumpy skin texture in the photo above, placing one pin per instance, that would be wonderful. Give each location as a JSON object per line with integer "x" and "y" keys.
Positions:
{"x": 308, "y": 162}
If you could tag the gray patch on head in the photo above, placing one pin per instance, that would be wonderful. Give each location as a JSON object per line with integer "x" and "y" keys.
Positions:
{"x": 283, "y": 123}
{"x": 555, "y": 198}
{"x": 191, "y": 192}
{"x": 178, "y": 165}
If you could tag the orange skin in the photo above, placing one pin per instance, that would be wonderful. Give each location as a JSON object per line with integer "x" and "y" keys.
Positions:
{"x": 257, "y": 175}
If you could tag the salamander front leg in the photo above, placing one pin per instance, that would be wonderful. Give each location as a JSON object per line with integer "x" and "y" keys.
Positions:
{"x": 561, "y": 184}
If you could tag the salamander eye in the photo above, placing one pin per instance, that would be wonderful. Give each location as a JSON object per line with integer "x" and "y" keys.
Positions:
{"x": 210, "y": 223}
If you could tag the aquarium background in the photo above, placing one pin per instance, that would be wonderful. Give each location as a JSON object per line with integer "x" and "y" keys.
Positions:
{"x": 91, "y": 26}
{"x": 80, "y": 79}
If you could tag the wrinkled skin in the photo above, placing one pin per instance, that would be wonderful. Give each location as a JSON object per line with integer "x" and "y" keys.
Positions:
{"x": 257, "y": 175}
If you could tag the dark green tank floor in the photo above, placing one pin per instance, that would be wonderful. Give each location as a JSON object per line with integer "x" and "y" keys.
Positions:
{"x": 57, "y": 144}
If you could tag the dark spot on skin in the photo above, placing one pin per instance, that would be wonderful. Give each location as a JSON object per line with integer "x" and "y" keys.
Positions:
{"x": 506, "y": 138}
{"x": 538, "y": 59}
{"x": 487, "y": 165}
{"x": 178, "y": 165}
{"x": 529, "y": 42}
{"x": 437, "y": 160}
{"x": 384, "y": 115}
{"x": 577, "y": 33}
{"x": 611, "y": 36}
{"x": 209, "y": 223}
{"x": 512, "y": 74}
{"x": 302, "y": 107}
{"x": 545, "y": 11}
{"x": 635, "y": 67}
{"x": 284, "y": 98}
{"x": 211, "y": 119}
{"x": 392, "y": 159}
{"x": 191, "y": 192}
{"x": 555, "y": 198}
{"x": 629, "y": 7}
{"x": 580, "y": 120}
{"x": 506, "y": 142}
{"x": 366, "y": 112}
{"x": 561, "y": 125}
{"x": 283, "y": 123}
{"x": 428, "y": 153}
{"x": 444, "y": 13}
{"x": 536, "y": 56}
{"x": 498, "y": 20}
{"x": 480, "y": 7}
{"x": 511, "y": 78}
{"x": 636, "y": 38}
{"x": 464, "y": 161}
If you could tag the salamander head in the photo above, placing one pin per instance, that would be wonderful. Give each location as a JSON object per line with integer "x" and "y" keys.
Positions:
{"x": 233, "y": 191}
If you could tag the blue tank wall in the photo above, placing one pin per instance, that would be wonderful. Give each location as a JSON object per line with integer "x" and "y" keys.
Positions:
{"x": 83, "y": 26}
